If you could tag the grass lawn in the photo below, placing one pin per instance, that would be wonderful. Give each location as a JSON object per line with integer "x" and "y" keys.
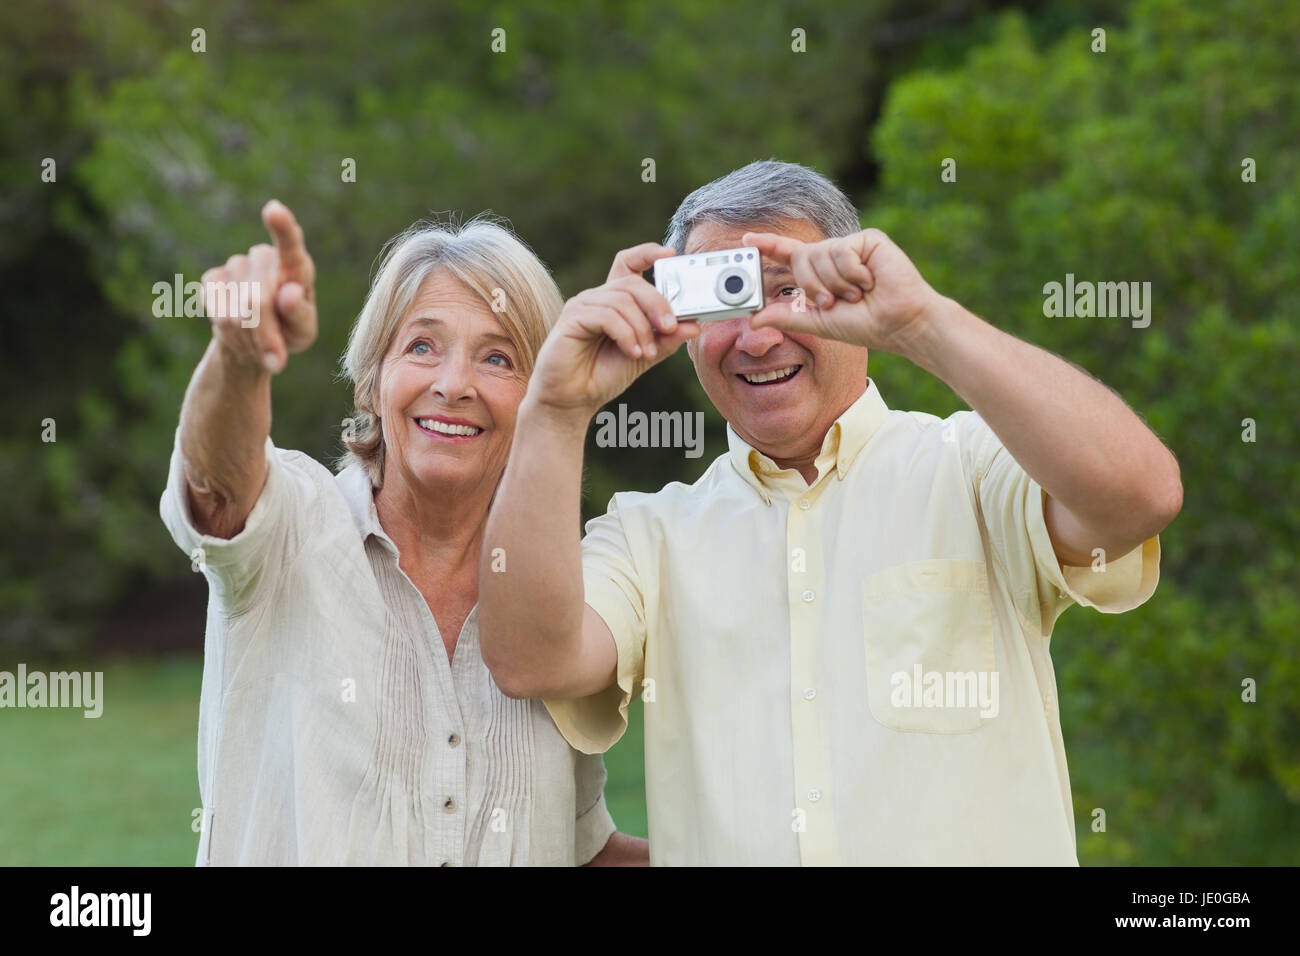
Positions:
{"x": 625, "y": 763}
{"x": 121, "y": 789}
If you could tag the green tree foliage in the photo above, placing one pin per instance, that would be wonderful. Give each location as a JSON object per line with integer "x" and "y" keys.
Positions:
{"x": 167, "y": 154}
{"x": 1127, "y": 165}
{"x": 71, "y": 524}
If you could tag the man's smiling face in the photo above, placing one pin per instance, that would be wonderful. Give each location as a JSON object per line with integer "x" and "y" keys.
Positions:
{"x": 785, "y": 417}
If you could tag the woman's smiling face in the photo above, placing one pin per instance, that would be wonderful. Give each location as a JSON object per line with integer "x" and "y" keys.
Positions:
{"x": 449, "y": 391}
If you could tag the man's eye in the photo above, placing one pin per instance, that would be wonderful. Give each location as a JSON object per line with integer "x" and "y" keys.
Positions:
{"x": 789, "y": 290}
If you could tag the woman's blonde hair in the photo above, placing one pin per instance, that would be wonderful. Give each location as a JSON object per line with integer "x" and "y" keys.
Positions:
{"x": 484, "y": 255}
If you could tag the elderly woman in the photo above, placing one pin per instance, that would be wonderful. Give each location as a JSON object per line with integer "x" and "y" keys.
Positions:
{"x": 346, "y": 715}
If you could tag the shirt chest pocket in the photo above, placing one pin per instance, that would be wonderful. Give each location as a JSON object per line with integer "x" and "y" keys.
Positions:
{"x": 928, "y": 637}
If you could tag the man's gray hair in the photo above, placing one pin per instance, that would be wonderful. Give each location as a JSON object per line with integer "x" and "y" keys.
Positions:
{"x": 762, "y": 193}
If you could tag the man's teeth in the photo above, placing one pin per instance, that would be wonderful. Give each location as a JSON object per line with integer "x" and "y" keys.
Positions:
{"x": 771, "y": 376}
{"x": 446, "y": 429}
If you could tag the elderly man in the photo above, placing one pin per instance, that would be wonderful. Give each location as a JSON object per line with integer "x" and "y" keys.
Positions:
{"x": 845, "y": 621}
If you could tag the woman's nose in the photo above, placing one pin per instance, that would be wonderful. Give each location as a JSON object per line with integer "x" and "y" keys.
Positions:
{"x": 453, "y": 378}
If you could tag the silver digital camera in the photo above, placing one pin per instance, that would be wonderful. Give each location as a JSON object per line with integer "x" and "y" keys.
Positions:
{"x": 712, "y": 285}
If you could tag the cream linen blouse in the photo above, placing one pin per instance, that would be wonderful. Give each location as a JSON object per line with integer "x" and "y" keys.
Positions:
{"x": 332, "y": 727}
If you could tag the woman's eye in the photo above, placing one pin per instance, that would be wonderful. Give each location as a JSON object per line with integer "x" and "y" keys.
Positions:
{"x": 789, "y": 290}
{"x": 505, "y": 361}
{"x": 417, "y": 346}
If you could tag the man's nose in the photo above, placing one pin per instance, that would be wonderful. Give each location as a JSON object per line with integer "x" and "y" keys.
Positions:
{"x": 757, "y": 342}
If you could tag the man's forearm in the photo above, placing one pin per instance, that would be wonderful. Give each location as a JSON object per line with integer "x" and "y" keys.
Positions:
{"x": 530, "y": 613}
{"x": 1070, "y": 433}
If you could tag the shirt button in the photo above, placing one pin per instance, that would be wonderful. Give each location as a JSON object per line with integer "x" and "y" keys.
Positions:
{"x": 814, "y": 795}
{"x": 449, "y": 805}
{"x": 804, "y": 504}
{"x": 454, "y": 740}
{"x": 808, "y": 596}
{"x": 809, "y": 693}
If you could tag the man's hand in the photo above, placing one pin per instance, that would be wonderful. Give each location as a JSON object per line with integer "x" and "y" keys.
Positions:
{"x": 537, "y": 635}
{"x": 262, "y": 305}
{"x": 860, "y": 289}
{"x": 607, "y": 336}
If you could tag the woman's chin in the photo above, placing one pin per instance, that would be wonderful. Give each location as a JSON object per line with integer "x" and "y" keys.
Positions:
{"x": 441, "y": 471}
{"x": 441, "y": 474}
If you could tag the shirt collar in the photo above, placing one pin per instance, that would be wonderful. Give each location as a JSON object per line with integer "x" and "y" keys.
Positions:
{"x": 847, "y": 436}
{"x": 360, "y": 496}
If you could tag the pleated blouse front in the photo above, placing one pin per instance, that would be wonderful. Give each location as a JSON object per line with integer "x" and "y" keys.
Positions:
{"x": 333, "y": 729}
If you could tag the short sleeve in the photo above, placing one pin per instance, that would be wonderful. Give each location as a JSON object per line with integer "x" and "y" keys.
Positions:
{"x": 612, "y": 588}
{"x": 593, "y": 825}
{"x": 238, "y": 568}
{"x": 1011, "y": 506}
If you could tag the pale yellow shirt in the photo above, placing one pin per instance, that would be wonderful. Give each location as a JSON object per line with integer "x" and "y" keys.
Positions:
{"x": 778, "y": 635}
{"x": 333, "y": 729}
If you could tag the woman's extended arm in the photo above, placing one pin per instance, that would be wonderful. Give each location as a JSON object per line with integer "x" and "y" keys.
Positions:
{"x": 262, "y": 308}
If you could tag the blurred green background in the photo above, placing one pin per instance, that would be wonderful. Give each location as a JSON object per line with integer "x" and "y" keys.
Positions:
{"x": 1118, "y": 165}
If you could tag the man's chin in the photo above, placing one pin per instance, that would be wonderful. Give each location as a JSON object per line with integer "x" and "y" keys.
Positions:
{"x": 776, "y": 432}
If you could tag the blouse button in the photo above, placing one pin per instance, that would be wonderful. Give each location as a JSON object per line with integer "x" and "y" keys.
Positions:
{"x": 449, "y": 805}
{"x": 454, "y": 740}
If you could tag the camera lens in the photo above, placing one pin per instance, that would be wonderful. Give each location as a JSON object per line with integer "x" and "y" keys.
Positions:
{"x": 733, "y": 286}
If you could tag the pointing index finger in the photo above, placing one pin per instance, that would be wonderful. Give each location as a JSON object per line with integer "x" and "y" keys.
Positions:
{"x": 295, "y": 263}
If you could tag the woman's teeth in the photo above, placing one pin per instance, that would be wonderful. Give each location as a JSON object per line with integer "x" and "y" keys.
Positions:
{"x": 762, "y": 377}
{"x": 447, "y": 429}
